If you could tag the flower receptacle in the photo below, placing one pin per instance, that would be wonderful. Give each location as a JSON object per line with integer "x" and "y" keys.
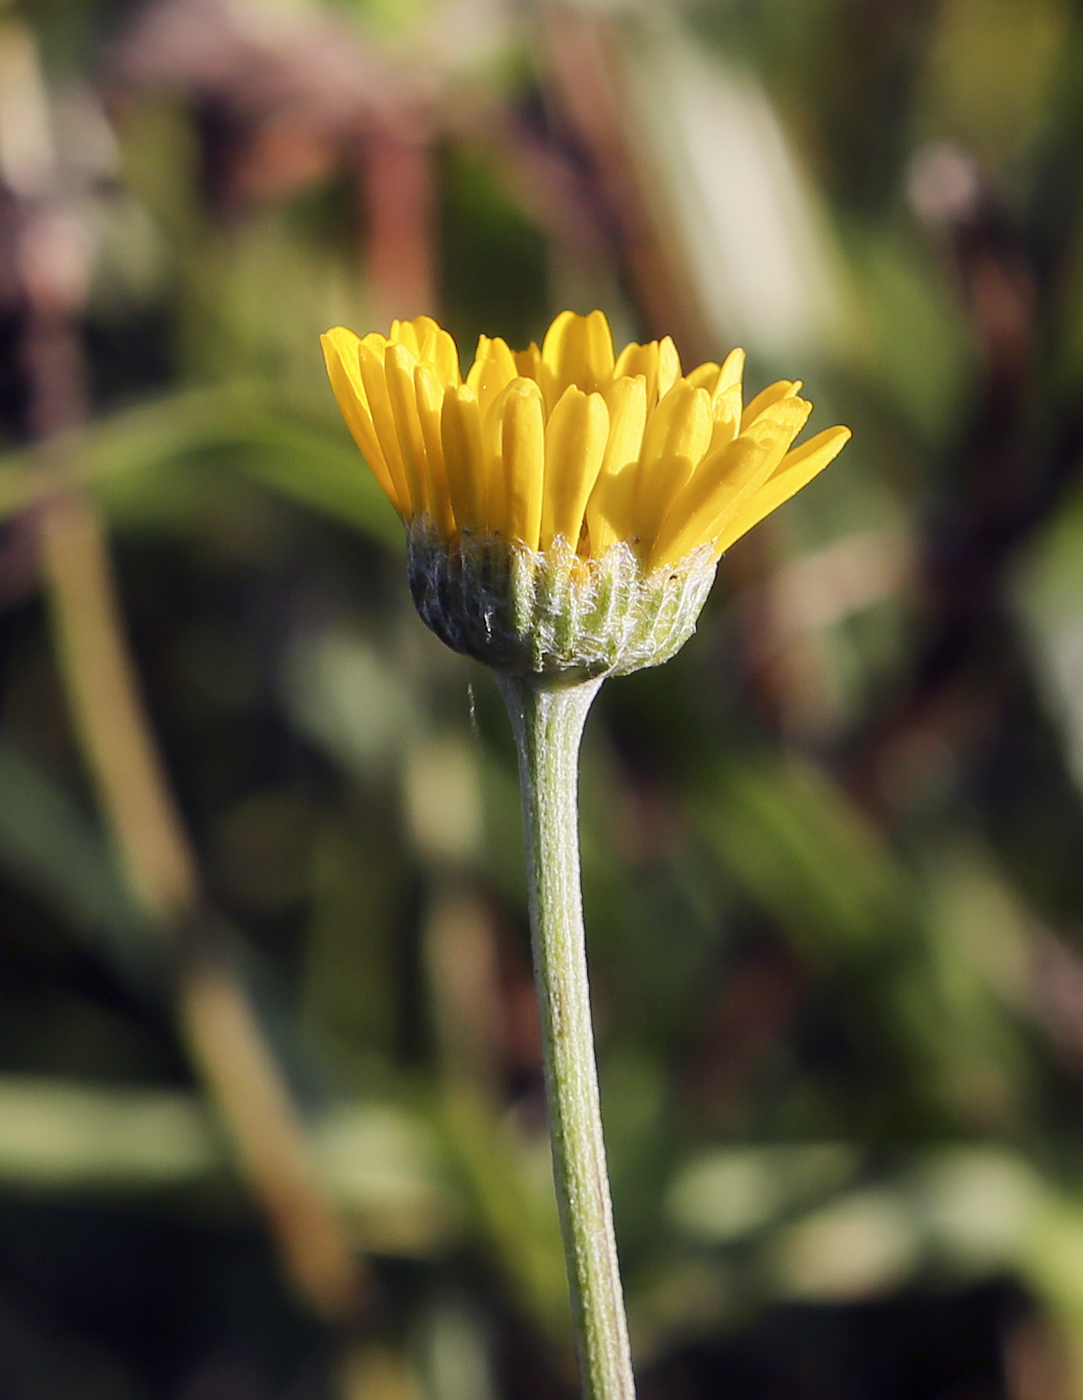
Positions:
{"x": 553, "y": 614}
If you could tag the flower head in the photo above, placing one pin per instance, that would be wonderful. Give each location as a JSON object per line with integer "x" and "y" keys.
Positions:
{"x": 570, "y": 457}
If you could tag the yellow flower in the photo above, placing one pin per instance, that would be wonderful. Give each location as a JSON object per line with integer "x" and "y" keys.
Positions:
{"x": 572, "y": 441}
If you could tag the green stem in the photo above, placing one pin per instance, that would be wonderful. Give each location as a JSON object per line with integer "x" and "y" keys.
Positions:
{"x": 548, "y": 723}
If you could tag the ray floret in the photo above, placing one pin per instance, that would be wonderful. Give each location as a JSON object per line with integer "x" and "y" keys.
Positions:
{"x": 632, "y": 450}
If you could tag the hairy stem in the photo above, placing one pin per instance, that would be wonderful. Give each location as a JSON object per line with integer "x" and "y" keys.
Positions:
{"x": 548, "y": 723}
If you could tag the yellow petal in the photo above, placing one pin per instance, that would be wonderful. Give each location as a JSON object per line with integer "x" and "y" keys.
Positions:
{"x": 340, "y": 355}
{"x": 437, "y": 348}
{"x": 732, "y": 371}
{"x": 342, "y": 345}
{"x": 726, "y": 399}
{"x": 492, "y": 444}
{"x": 723, "y": 483}
{"x": 727, "y": 479}
{"x": 371, "y": 361}
{"x": 720, "y": 379}
{"x": 797, "y": 470}
{"x": 575, "y": 438}
{"x": 492, "y": 371}
{"x": 658, "y": 363}
{"x": 579, "y": 350}
{"x": 430, "y": 400}
{"x": 726, "y": 412}
{"x": 399, "y": 365}
{"x": 669, "y": 366}
{"x": 782, "y": 389}
{"x": 778, "y": 425}
{"x": 529, "y": 362}
{"x": 404, "y": 333}
{"x": 481, "y": 354}
{"x": 523, "y": 450}
{"x": 609, "y": 509}
{"x": 677, "y": 435}
{"x": 642, "y": 360}
{"x": 377, "y": 343}
{"x": 704, "y": 376}
{"x": 464, "y": 457}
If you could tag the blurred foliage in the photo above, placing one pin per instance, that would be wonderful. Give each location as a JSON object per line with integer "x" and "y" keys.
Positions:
{"x": 832, "y": 852}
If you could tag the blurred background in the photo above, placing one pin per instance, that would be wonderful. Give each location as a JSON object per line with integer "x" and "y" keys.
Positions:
{"x": 271, "y": 1118}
